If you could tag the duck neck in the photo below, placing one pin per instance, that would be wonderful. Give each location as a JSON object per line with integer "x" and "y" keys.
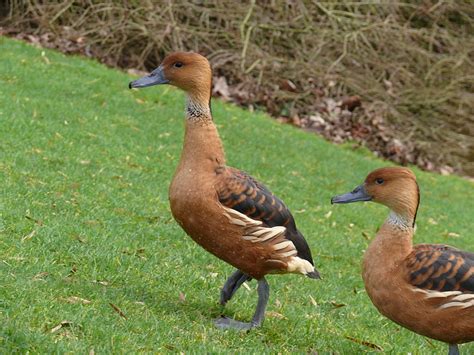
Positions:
{"x": 394, "y": 240}
{"x": 202, "y": 148}
{"x": 198, "y": 109}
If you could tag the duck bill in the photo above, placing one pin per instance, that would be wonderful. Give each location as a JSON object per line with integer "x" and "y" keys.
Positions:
{"x": 358, "y": 194}
{"x": 156, "y": 77}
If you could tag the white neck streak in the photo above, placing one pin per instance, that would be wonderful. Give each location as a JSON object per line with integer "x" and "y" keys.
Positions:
{"x": 197, "y": 111}
{"x": 399, "y": 221}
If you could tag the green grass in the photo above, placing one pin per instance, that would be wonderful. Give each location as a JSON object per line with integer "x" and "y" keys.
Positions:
{"x": 85, "y": 167}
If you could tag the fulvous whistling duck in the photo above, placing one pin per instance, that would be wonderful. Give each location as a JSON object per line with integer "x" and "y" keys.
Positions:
{"x": 223, "y": 209}
{"x": 427, "y": 288}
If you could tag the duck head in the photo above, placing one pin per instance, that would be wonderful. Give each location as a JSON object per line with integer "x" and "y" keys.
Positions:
{"x": 394, "y": 187}
{"x": 188, "y": 71}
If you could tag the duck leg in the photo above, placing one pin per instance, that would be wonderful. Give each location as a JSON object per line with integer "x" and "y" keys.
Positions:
{"x": 453, "y": 349}
{"x": 232, "y": 285}
{"x": 257, "y": 319}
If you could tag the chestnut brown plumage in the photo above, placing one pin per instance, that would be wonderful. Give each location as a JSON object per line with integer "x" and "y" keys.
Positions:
{"x": 426, "y": 288}
{"x": 223, "y": 209}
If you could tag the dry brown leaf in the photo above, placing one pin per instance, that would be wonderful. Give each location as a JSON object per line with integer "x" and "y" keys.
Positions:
{"x": 29, "y": 235}
{"x": 40, "y": 275}
{"x": 103, "y": 283}
{"x": 351, "y": 103}
{"x": 288, "y": 85}
{"x": 220, "y": 87}
{"x": 75, "y": 299}
{"x": 313, "y": 301}
{"x": 273, "y": 314}
{"x": 118, "y": 310}
{"x": 37, "y": 221}
{"x": 72, "y": 271}
{"x": 337, "y": 305}
{"x": 366, "y": 343}
{"x": 182, "y": 297}
{"x": 63, "y": 324}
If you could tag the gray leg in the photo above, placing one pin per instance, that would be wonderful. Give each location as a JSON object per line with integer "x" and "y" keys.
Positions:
{"x": 258, "y": 317}
{"x": 232, "y": 285}
{"x": 453, "y": 349}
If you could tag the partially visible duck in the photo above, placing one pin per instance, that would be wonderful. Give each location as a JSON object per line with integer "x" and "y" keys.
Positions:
{"x": 427, "y": 288}
{"x": 223, "y": 209}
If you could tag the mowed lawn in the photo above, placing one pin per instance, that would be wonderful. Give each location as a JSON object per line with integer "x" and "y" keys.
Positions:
{"x": 91, "y": 259}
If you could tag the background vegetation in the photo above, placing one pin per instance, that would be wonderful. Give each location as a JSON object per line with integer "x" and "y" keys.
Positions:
{"x": 410, "y": 62}
{"x": 91, "y": 260}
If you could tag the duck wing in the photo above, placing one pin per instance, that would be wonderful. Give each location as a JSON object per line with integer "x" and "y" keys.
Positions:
{"x": 441, "y": 268}
{"x": 241, "y": 192}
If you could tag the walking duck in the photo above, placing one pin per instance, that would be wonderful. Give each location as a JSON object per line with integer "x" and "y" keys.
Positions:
{"x": 427, "y": 288}
{"x": 223, "y": 209}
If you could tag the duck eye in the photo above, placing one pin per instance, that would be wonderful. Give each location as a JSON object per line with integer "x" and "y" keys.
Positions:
{"x": 178, "y": 65}
{"x": 379, "y": 181}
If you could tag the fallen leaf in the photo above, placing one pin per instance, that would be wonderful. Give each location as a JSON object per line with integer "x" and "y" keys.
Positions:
{"x": 220, "y": 87}
{"x": 432, "y": 221}
{"x": 313, "y": 301}
{"x": 351, "y": 103}
{"x": 79, "y": 238}
{"x": 103, "y": 283}
{"x": 182, "y": 297}
{"x": 246, "y": 286}
{"x": 45, "y": 58}
{"x": 273, "y": 314}
{"x": 40, "y": 275}
{"x": 63, "y": 324}
{"x": 430, "y": 343}
{"x": 337, "y": 305}
{"x": 453, "y": 235}
{"x": 75, "y": 299}
{"x": 288, "y": 85}
{"x": 37, "y": 221}
{"x": 327, "y": 215}
{"x": 29, "y": 235}
{"x": 366, "y": 343}
{"x": 118, "y": 310}
{"x": 72, "y": 271}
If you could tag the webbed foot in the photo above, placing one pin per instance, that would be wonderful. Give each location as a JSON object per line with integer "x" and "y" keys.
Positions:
{"x": 229, "y": 323}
